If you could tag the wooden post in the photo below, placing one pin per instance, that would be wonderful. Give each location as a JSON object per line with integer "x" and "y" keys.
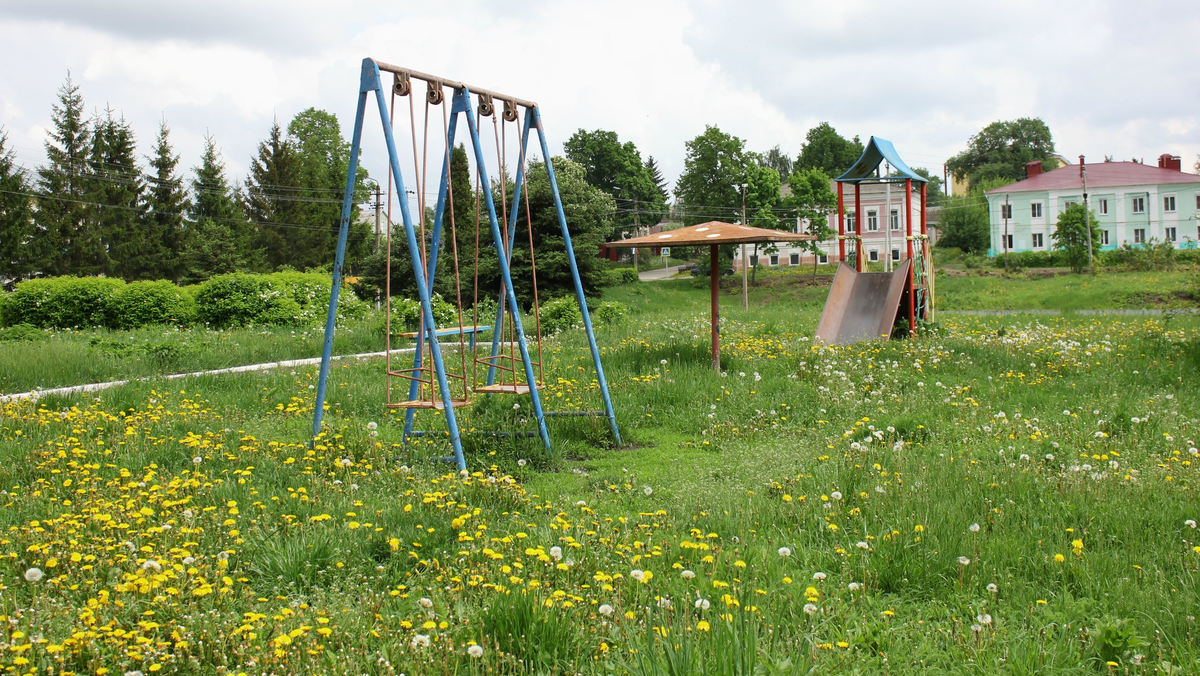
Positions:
{"x": 716, "y": 305}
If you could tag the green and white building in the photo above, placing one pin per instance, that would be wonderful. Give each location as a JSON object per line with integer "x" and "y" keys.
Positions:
{"x": 1132, "y": 203}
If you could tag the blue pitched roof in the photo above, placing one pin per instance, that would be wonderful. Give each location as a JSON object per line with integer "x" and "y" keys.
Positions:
{"x": 877, "y": 151}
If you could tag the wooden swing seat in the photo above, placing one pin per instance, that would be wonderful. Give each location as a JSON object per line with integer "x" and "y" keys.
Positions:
{"x": 427, "y": 404}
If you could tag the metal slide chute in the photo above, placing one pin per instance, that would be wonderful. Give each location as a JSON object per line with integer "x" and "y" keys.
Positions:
{"x": 862, "y": 305}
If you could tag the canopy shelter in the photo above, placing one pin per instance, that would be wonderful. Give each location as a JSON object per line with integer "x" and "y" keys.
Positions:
{"x": 918, "y": 291}
{"x": 713, "y": 234}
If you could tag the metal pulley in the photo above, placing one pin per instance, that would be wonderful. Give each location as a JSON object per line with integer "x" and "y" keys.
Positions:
{"x": 486, "y": 106}
{"x": 434, "y": 95}
{"x": 401, "y": 85}
{"x": 510, "y": 111}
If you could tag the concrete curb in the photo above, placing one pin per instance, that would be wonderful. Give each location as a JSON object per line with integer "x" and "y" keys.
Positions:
{"x": 97, "y": 387}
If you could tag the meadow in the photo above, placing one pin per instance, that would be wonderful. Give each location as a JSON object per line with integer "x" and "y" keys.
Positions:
{"x": 998, "y": 495}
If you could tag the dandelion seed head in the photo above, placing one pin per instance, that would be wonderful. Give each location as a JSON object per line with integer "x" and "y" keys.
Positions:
{"x": 34, "y": 575}
{"x": 475, "y": 651}
{"x": 784, "y": 551}
{"x": 964, "y": 561}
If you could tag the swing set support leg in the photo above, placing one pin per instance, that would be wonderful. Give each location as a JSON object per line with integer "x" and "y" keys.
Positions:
{"x": 583, "y": 308}
{"x": 343, "y": 231}
{"x": 506, "y": 280}
{"x": 434, "y": 251}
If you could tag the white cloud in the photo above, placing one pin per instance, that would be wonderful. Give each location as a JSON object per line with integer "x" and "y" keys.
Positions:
{"x": 656, "y": 71}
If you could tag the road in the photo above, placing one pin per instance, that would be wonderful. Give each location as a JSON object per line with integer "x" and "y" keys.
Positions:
{"x": 659, "y": 273}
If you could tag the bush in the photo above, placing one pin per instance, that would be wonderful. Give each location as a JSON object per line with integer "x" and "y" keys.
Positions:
{"x": 1019, "y": 260}
{"x": 625, "y": 276}
{"x": 610, "y": 312}
{"x": 1151, "y": 255}
{"x": 310, "y": 291}
{"x": 60, "y": 302}
{"x": 973, "y": 261}
{"x": 243, "y": 300}
{"x": 406, "y": 314}
{"x": 142, "y": 303}
{"x": 560, "y": 314}
{"x": 22, "y": 332}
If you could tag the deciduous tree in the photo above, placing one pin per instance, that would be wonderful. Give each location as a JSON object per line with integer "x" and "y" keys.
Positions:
{"x": 1071, "y": 236}
{"x": 813, "y": 201}
{"x": 714, "y": 168}
{"x": 828, "y": 151}
{"x": 1001, "y": 150}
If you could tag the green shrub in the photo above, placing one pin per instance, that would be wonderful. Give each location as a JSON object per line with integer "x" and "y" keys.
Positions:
{"x": 310, "y": 291}
{"x": 22, "y": 332}
{"x": 559, "y": 315}
{"x": 406, "y": 314}
{"x": 61, "y": 302}
{"x": 624, "y": 275}
{"x": 143, "y": 303}
{"x": 973, "y": 261}
{"x": 243, "y": 300}
{"x": 610, "y": 312}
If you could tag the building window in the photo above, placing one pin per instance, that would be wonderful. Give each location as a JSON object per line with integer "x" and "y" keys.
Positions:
{"x": 774, "y": 259}
{"x": 754, "y": 260}
{"x": 1010, "y": 242}
{"x": 1068, "y": 204}
{"x": 1139, "y": 235}
{"x": 895, "y": 254}
{"x": 824, "y": 258}
{"x": 1006, "y": 209}
{"x": 850, "y": 222}
{"x": 1139, "y": 205}
{"x": 1169, "y": 234}
{"x": 794, "y": 259}
{"x": 894, "y": 221}
{"x": 872, "y": 221}
{"x": 1103, "y": 238}
{"x": 1037, "y": 240}
{"x": 1103, "y": 205}
{"x": 1035, "y": 210}
{"x": 1198, "y": 202}
{"x": 1168, "y": 203}
{"x": 873, "y": 254}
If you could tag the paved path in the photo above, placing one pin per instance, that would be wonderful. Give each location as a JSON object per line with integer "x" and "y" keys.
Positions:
{"x": 659, "y": 273}
{"x": 96, "y": 387}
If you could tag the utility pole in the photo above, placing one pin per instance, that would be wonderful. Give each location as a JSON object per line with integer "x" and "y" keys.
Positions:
{"x": 378, "y": 212}
{"x": 1007, "y": 211}
{"x": 1087, "y": 215}
{"x": 637, "y": 232}
{"x": 745, "y": 258}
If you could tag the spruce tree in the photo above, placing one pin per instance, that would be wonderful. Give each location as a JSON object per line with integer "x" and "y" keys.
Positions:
{"x": 16, "y": 215}
{"x": 656, "y": 177}
{"x": 166, "y": 203}
{"x": 218, "y": 238}
{"x": 275, "y": 203}
{"x": 127, "y": 249}
{"x": 62, "y": 243}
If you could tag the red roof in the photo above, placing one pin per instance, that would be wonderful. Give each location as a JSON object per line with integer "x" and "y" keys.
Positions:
{"x": 1099, "y": 175}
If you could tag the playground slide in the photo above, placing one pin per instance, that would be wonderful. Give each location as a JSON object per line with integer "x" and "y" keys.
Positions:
{"x": 862, "y": 305}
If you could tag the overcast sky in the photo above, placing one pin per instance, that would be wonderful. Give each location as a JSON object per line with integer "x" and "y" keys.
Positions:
{"x": 1110, "y": 78}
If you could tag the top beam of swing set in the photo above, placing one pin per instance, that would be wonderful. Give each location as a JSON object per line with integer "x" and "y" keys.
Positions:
{"x": 458, "y": 86}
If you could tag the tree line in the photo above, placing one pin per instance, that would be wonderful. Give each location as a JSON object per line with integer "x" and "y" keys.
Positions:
{"x": 94, "y": 208}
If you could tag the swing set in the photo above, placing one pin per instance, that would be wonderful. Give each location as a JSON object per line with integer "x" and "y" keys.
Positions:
{"x": 433, "y": 384}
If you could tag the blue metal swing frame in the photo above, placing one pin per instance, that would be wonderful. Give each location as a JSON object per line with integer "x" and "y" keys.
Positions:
{"x": 371, "y": 81}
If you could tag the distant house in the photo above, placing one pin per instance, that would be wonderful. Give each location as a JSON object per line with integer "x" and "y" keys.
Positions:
{"x": 882, "y": 227}
{"x": 1133, "y": 203}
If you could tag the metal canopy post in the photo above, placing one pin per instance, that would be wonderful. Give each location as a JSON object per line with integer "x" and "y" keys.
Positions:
{"x": 841, "y": 225}
{"x": 912, "y": 296}
{"x": 583, "y": 308}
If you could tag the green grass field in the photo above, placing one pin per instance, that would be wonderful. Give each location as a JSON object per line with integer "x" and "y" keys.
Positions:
{"x": 1007, "y": 495}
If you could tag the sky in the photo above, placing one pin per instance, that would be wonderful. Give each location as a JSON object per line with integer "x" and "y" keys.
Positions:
{"x": 1109, "y": 77}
